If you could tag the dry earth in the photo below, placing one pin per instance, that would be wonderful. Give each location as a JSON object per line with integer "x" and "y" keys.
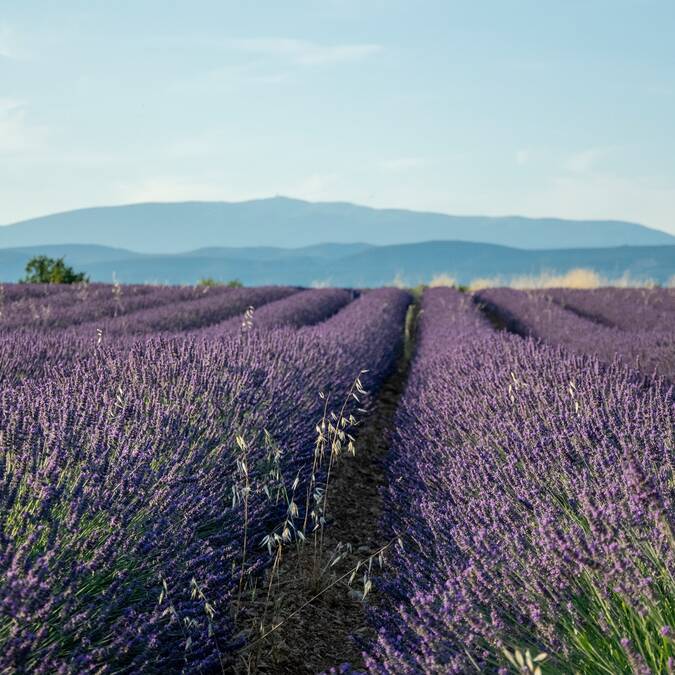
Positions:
{"x": 324, "y": 622}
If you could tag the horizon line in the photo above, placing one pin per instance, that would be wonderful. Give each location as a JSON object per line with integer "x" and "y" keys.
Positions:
{"x": 332, "y": 202}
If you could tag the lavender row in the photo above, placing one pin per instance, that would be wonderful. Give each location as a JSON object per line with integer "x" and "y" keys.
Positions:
{"x": 91, "y": 303}
{"x": 536, "y": 315}
{"x": 28, "y": 354}
{"x": 302, "y": 309}
{"x": 351, "y": 329}
{"x": 192, "y": 314}
{"x": 16, "y": 292}
{"x": 533, "y": 492}
{"x": 121, "y": 305}
{"x": 123, "y": 488}
{"x": 31, "y": 355}
{"x": 630, "y": 309}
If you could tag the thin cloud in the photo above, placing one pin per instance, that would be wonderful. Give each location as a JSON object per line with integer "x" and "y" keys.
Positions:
{"x": 183, "y": 188}
{"x": 305, "y": 53}
{"x": 648, "y": 200}
{"x": 271, "y": 61}
{"x": 402, "y": 164}
{"x": 17, "y": 135}
{"x": 584, "y": 161}
{"x": 231, "y": 76}
{"x": 523, "y": 156}
{"x": 314, "y": 187}
{"x": 172, "y": 189}
{"x": 191, "y": 147}
{"x": 9, "y": 48}
{"x": 9, "y": 104}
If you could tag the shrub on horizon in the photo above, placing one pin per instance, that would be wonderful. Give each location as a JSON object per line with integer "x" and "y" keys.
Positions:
{"x": 210, "y": 281}
{"x": 42, "y": 269}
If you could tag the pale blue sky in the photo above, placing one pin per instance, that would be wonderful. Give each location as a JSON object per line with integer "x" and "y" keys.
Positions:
{"x": 535, "y": 107}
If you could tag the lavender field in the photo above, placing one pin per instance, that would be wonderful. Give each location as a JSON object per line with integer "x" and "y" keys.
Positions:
{"x": 289, "y": 480}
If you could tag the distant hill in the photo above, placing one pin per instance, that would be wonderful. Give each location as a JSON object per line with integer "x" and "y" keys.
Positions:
{"x": 291, "y": 223}
{"x": 319, "y": 251}
{"x": 340, "y": 265}
{"x": 13, "y": 260}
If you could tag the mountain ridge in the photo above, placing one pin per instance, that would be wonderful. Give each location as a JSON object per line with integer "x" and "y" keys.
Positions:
{"x": 370, "y": 266}
{"x": 175, "y": 227}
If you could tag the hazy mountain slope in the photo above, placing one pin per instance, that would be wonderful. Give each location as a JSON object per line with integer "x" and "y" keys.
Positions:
{"x": 13, "y": 260}
{"x": 418, "y": 263}
{"x": 412, "y": 263}
{"x": 318, "y": 251}
{"x": 291, "y": 223}
{"x": 188, "y": 269}
{"x": 228, "y": 263}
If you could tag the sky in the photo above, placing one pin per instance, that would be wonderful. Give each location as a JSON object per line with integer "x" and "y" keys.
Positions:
{"x": 534, "y": 107}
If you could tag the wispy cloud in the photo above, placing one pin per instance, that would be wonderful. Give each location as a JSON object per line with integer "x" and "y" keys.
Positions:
{"x": 303, "y": 52}
{"x": 192, "y": 147}
{"x": 232, "y": 76}
{"x": 313, "y": 187}
{"x": 400, "y": 164}
{"x": 179, "y": 188}
{"x": 584, "y": 161}
{"x": 648, "y": 200}
{"x": 9, "y": 104}
{"x": 9, "y": 44}
{"x": 269, "y": 61}
{"x": 171, "y": 189}
{"x": 17, "y": 135}
{"x": 523, "y": 156}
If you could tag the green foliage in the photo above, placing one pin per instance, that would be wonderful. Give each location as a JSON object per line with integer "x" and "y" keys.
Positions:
{"x": 210, "y": 281}
{"x": 417, "y": 291}
{"x": 44, "y": 270}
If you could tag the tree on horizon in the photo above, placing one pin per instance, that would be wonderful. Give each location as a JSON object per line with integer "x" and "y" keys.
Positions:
{"x": 42, "y": 269}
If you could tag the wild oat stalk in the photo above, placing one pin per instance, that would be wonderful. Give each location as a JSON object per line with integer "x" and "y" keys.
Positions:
{"x": 247, "y": 323}
{"x": 333, "y": 438}
{"x": 117, "y": 295}
{"x": 241, "y": 492}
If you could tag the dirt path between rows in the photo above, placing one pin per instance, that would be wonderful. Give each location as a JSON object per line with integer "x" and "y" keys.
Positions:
{"x": 330, "y": 629}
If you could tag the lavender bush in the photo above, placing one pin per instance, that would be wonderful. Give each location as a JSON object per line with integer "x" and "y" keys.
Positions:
{"x": 14, "y": 291}
{"x": 82, "y": 303}
{"x": 350, "y": 329}
{"x": 304, "y": 308}
{"x": 136, "y": 490}
{"x": 26, "y": 354}
{"x": 537, "y": 315}
{"x": 211, "y": 306}
{"x": 532, "y": 489}
{"x": 630, "y": 309}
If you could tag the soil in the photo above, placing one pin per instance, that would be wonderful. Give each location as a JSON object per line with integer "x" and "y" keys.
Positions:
{"x": 318, "y": 633}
